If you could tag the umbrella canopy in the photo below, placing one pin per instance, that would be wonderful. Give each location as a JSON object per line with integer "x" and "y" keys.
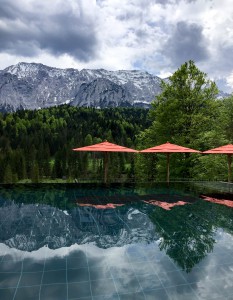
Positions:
{"x": 226, "y": 149}
{"x": 105, "y": 147}
{"x": 168, "y": 148}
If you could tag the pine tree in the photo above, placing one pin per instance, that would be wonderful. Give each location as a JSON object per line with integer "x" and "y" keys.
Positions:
{"x": 35, "y": 178}
{"x": 8, "y": 177}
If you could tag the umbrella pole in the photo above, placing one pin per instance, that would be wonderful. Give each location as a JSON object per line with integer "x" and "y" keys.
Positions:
{"x": 229, "y": 167}
{"x": 105, "y": 166}
{"x": 168, "y": 167}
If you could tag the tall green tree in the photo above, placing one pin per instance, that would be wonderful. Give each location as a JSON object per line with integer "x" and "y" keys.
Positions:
{"x": 186, "y": 108}
{"x": 214, "y": 167}
{"x": 8, "y": 176}
{"x": 183, "y": 114}
{"x": 226, "y": 117}
{"x": 35, "y": 176}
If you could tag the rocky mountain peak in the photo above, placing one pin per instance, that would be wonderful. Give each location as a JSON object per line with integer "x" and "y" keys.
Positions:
{"x": 23, "y": 70}
{"x": 33, "y": 86}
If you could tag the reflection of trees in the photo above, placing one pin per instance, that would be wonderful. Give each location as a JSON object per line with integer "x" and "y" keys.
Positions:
{"x": 68, "y": 195}
{"x": 44, "y": 194}
{"x": 187, "y": 232}
{"x": 222, "y": 217}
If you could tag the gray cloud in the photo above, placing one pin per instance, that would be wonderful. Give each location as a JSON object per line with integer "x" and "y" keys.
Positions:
{"x": 165, "y": 2}
{"x": 224, "y": 59}
{"x": 186, "y": 42}
{"x": 9, "y": 10}
{"x": 25, "y": 33}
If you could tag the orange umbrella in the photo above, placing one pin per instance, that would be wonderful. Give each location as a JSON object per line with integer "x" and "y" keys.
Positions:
{"x": 105, "y": 147}
{"x": 169, "y": 148}
{"x": 227, "y": 149}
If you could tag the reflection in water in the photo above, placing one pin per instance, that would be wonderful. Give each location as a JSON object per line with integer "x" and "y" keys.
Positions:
{"x": 165, "y": 205}
{"x": 218, "y": 201}
{"x": 60, "y": 243}
{"x": 31, "y": 226}
{"x": 101, "y": 206}
{"x": 186, "y": 234}
{"x": 137, "y": 271}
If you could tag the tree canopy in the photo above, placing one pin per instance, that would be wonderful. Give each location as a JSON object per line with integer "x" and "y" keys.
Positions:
{"x": 185, "y": 109}
{"x": 38, "y": 144}
{"x": 187, "y": 113}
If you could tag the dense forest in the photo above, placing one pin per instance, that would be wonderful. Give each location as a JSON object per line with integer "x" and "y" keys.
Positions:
{"x": 36, "y": 146}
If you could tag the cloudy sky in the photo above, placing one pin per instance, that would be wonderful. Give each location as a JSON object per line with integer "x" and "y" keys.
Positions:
{"x": 151, "y": 35}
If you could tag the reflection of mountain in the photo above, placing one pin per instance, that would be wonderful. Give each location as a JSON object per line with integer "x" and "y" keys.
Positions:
{"x": 186, "y": 233}
{"x": 31, "y": 226}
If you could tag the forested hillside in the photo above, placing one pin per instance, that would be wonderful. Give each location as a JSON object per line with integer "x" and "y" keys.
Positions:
{"x": 37, "y": 145}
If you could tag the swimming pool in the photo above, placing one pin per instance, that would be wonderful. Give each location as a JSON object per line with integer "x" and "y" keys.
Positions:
{"x": 115, "y": 242}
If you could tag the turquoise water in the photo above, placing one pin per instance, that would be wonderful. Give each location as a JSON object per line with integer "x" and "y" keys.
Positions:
{"x": 58, "y": 242}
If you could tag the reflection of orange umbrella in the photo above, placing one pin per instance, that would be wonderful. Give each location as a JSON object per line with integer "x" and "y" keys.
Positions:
{"x": 169, "y": 148}
{"x": 105, "y": 147}
{"x": 227, "y": 149}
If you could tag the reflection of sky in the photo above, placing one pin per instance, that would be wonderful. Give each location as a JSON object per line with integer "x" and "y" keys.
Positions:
{"x": 136, "y": 268}
{"x": 217, "y": 269}
{"x": 136, "y": 250}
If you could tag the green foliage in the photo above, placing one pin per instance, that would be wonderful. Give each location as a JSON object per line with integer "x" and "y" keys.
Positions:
{"x": 226, "y": 117}
{"x": 8, "y": 177}
{"x": 185, "y": 109}
{"x": 177, "y": 227}
{"x": 145, "y": 167}
{"x": 37, "y": 145}
{"x": 210, "y": 167}
{"x": 187, "y": 113}
{"x": 35, "y": 173}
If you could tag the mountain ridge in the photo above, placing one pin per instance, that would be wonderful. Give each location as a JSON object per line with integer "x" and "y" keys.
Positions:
{"x": 76, "y": 225}
{"x": 35, "y": 86}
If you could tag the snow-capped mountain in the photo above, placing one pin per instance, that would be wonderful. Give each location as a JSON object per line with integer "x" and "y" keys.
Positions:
{"x": 32, "y": 226}
{"x": 33, "y": 86}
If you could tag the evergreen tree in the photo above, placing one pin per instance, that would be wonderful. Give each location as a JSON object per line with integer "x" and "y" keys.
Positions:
{"x": 8, "y": 176}
{"x": 47, "y": 137}
{"x": 88, "y": 140}
{"x": 35, "y": 178}
{"x": 57, "y": 167}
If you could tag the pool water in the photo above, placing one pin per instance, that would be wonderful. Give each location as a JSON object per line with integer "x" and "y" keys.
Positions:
{"x": 115, "y": 242}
